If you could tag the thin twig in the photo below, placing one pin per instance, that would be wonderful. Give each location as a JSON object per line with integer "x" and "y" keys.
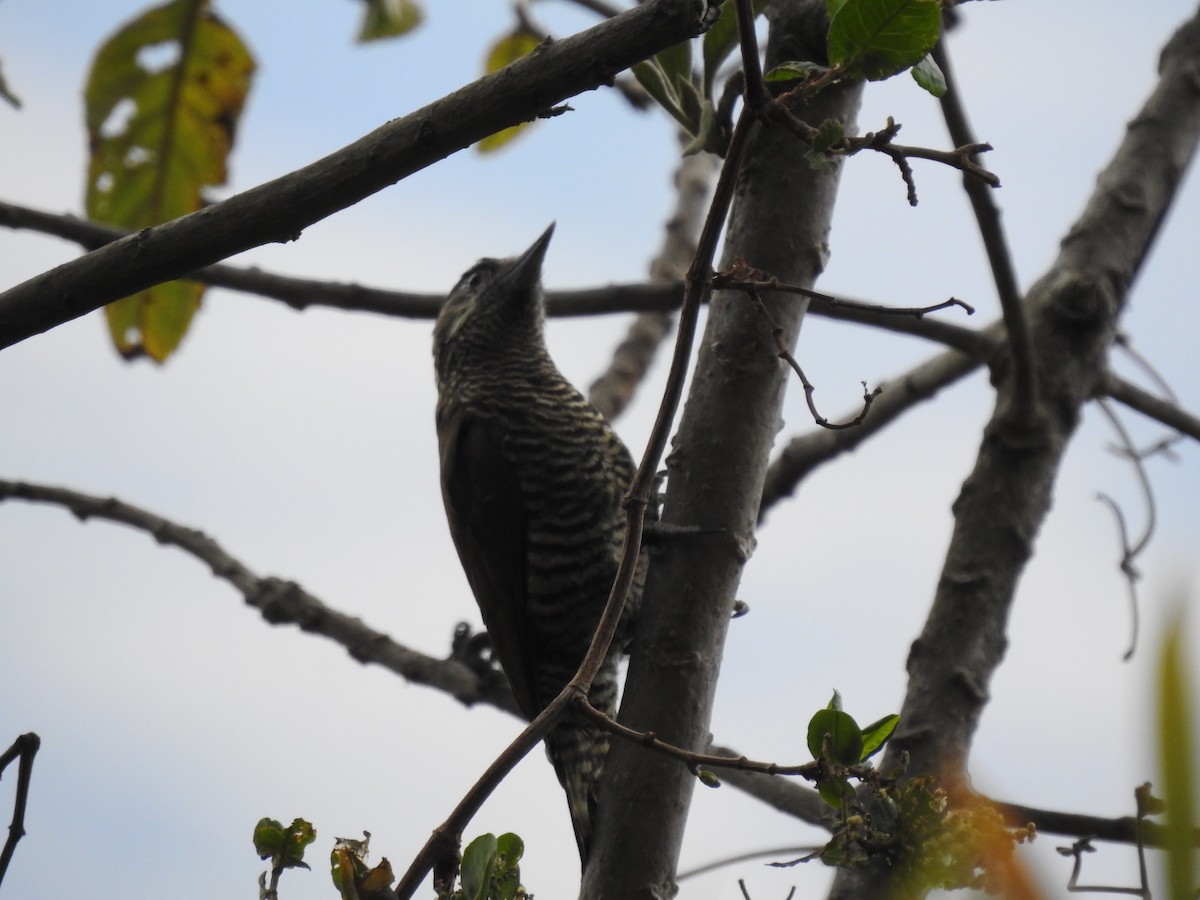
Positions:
{"x": 24, "y": 749}
{"x": 1130, "y": 552}
{"x": 809, "y": 389}
{"x": 987, "y": 217}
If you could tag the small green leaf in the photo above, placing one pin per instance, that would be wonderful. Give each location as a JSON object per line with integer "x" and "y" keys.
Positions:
{"x": 793, "y": 71}
{"x": 297, "y": 838}
{"x": 875, "y": 735}
{"x": 835, "y": 702}
{"x": 830, "y": 135}
{"x": 928, "y": 74}
{"x": 836, "y": 791}
{"x": 708, "y": 778}
{"x": 388, "y": 18}
{"x": 878, "y": 38}
{"x": 477, "y": 866}
{"x": 651, "y": 76}
{"x": 511, "y": 846}
{"x": 268, "y": 837}
{"x": 676, "y": 62}
{"x": 845, "y": 737}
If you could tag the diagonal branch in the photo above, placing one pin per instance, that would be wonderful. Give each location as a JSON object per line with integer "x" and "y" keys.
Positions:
{"x": 23, "y": 749}
{"x": 279, "y": 210}
{"x": 280, "y": 601}
{"x": 987, "y": 217}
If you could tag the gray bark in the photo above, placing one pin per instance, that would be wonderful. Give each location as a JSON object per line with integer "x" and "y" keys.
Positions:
{"x": 1073, "y": 311}
{"x": 779, "y": 223}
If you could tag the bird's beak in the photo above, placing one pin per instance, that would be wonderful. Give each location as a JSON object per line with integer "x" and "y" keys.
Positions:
{"x": 526, "y": 269}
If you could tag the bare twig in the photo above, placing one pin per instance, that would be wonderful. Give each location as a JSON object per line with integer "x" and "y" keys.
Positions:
{"x": 809, "y": 388}
{"x": 23, "y": 749}
{"x": 987, "y": 217}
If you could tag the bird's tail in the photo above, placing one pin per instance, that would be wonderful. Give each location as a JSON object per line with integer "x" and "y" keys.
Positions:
{"x": 577, "y": 748}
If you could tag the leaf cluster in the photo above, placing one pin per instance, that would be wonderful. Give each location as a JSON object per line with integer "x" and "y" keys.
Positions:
{"x": 909, "y": 826}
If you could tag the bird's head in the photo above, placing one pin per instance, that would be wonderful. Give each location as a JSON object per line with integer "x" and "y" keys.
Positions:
{"x": 497, "y": 306}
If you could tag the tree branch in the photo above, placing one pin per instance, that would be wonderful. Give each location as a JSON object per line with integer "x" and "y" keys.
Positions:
{"x": 280, "y": 602}
{"x": 23, "y": 749}
{"x": 714, "y": 484}
{"x": 1073, "y": 310}
{"x": 280, "y": 209}
{"x": 987, "y": 217}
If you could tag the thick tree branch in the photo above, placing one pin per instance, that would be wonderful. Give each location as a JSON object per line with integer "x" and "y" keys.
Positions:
{"x": 280, "y": 602}
{"x": 280, "y": 209}
{"x": 1073, "y": 311}
{"x": 714, "y": 484}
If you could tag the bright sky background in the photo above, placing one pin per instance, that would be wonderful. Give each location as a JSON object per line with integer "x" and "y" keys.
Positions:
{"x": 172, "y": 718}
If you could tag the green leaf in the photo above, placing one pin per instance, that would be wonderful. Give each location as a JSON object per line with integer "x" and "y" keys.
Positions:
{"x": 793, "y": 71}
{"x": 506, "y": 875}
{"x": 388, "y": 18}
{"x": 676, "y": 62}
{"x": 835, "y": 702}
{"x": 708, "y": 778}
{"x": 845, "y": 737}
{"x": 651, "y": 76}
{"x": 830, "y": 135}
{"x": 836, "y": 792}
{"x": 1177, "y": 759}
{"x": 160, "y": 134}
{"x": 832, "y": 7}
{"x": 878, "y": 38}
{"x": 928, "y": 74}
{"x": 721, "y": 39}
{"x": 504, "y": 52}
{"x": 875, "y": 735}
{"x": 477, "y": 866}
{"x": 511, "y": 846}
{"x": 268, "y": 837}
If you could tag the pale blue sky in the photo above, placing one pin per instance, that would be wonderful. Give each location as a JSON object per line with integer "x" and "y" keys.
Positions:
{"x": 173, "y": 718}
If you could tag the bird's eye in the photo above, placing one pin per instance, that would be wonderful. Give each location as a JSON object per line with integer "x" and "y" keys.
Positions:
{"x": 475, "y": 276}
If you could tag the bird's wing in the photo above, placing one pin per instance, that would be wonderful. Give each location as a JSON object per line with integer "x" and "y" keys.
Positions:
{"x": 486, "y": 511}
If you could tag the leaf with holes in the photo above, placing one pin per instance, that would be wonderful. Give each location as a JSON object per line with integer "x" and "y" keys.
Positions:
{"x": 162, "y": 101}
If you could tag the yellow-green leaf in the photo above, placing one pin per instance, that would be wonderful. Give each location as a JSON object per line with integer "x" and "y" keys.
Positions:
{"x": 153, "y": 322}
{"x": 504, "y": 52}
{"x": 1177, "y": 761}
{"x": 388, "y": 18}
{"x": 162, "y": 103}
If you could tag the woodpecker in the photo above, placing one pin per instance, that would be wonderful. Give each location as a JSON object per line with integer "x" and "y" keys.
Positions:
{"x": 532, "y": 478}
